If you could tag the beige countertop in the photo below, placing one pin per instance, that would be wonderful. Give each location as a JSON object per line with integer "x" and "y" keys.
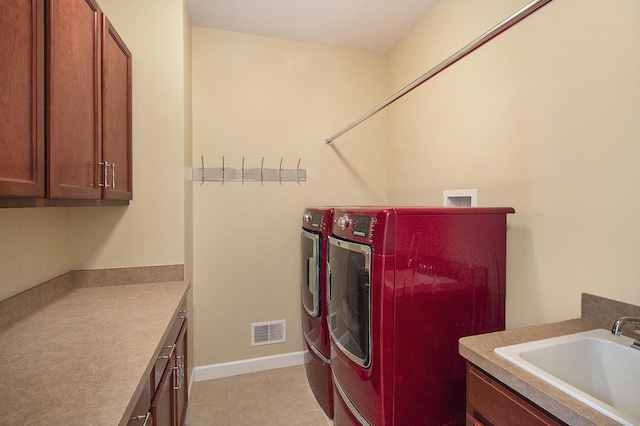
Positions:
{"x": 83, "y": 358}
{"x": 479, "y": 351}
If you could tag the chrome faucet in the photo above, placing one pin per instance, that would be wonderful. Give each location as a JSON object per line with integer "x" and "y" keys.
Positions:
{"x": 616, "y": 330}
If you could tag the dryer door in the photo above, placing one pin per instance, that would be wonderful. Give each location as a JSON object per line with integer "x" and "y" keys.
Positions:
{"x": 349, "y": 299}
{"x": 310, "y": 272}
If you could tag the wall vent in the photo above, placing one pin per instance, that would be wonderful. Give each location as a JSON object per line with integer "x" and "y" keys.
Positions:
{"x": 265, "y": 333}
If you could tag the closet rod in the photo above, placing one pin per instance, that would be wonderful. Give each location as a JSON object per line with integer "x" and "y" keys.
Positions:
{"x": 502, "y": 26}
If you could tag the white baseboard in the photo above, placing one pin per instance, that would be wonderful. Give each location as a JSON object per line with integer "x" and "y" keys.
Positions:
{"x": 235, "y": 368}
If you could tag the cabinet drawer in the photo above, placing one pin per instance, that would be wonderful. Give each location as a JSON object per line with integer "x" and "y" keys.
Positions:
{"x": 168, "y": 347}
{"x": 491, "y": 403}
{"x": 141, "y": 413}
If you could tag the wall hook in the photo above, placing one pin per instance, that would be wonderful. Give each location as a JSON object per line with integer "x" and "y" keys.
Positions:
{"x": 280, "y": 171}
{"x": 262, "y": 171}
{"x": 223, "y": 169}
{"x": 242, "y": 170}
{"x": 298, "y": 171}
{"x": 202, "y": 169}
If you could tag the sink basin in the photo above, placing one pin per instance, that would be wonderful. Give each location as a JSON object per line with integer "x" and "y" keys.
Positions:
{"x": 599, "y": 369}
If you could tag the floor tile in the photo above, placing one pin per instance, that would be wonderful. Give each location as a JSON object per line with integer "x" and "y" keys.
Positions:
{"x": 297, "y": 399}
{"x": 312, "y": 418}
{"x": 287, "y": 377}
{"x": 280, "y": 397}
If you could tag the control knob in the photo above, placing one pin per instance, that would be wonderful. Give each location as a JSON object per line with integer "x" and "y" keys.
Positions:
{"x": 306, "y": 218}
{"x": 343, "y": 222}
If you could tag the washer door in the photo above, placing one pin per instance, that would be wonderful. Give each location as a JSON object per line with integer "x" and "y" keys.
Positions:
{"x": 310, "y": 272}
{"x": 349, "y": 299}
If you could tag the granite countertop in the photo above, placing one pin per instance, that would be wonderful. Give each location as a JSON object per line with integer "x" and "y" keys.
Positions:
{"x": 479, "y": 351}
{"x": 84, "y": 357}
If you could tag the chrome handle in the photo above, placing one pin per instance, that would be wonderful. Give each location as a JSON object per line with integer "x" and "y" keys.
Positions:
{"x": 105, "y": 175}
{"x": 170, "y": 353}
{"x": 328, "y": 282}
{"x": 177, "y": 373}
{"x": 146, "y": 418}
{"x": 113, "y": 175}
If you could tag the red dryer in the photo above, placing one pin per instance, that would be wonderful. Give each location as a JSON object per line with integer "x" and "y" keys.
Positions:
{"x": 316, "y": 225}
{"x": 403, "y": 285}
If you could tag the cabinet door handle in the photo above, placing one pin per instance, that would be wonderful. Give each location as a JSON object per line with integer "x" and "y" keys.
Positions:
{"x": 146, "y": 418}
{"x": 177, "y": 377}
{"x": 105, "y": 174}
{"x": 170, "y": 353}
{"x": 113, "y": 175}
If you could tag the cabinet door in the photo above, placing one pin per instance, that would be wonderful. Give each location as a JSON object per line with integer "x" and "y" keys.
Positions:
{"x": 489, "y": 402}
{"x": 116, "y": 115}
{"x": 73, "y": 103}
{"x": 161, "y": 408}
{"x": 142, "y": 411}
{"x": 181, "y": 386}
{"x": 21, "y": 98}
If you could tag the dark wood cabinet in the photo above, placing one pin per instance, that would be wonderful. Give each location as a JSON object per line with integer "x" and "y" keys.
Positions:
{"x": 22, "y": 114}
{"x": 63, "y": 63}
{"x": 141, "y": 414}
{"x": 489, "y": 402}
{"x": 162, "y": 413}
{"x": 164, "y": 402}
{"x": 181, "y": 386}
{"x": 74, "y": 141}
{"x": 169, "y": 405}
{"x": 116, "y": 115}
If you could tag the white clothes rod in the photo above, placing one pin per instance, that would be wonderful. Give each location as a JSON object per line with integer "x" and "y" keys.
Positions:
{"x": 502, "y": 26}
{"x": 255, "y": 174}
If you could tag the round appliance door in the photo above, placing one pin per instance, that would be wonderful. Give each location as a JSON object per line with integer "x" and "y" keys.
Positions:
{"x": 310, "y": 272}
{"x": 349, "y": 299}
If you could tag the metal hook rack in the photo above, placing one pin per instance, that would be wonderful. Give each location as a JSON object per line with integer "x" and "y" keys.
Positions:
{"x": 229, "y": 174}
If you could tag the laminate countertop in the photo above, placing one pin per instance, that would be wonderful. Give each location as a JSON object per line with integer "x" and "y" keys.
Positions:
{"x": 479, "y": 351}
{"x": 84, "y": 358}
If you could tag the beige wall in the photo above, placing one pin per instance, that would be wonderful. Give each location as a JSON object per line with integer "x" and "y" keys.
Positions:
{"x": 39, "y": 244}
{"x": 151, "y": 230}
{"x": 260, "y": 97}
{"x": 188, "y": 187}
{"x": 544, "y": 118}
{"x": 34, "y": 247}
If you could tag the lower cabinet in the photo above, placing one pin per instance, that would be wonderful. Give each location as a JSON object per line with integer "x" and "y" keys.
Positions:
{"x": 489, "y": 402}
{"x": 165, "y": 398}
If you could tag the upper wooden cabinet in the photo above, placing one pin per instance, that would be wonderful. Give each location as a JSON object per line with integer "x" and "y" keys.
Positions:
{"x": 74, "y": 140}
{"x": 76, "y": 78}
{"x": 116, "y": 115}
{"x": 22, "y": 98}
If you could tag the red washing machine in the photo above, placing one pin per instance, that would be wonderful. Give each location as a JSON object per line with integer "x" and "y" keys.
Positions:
{"x": 316, "y": 226}
{"x": 403, "y": 285}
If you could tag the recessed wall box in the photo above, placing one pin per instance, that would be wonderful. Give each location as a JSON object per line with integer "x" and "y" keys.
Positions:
{"x": 460, "y": 198}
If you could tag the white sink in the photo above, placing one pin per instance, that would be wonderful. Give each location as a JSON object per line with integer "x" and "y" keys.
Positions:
{"x": 599, "y": 369}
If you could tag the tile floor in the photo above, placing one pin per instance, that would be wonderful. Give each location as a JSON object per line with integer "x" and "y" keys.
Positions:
{"x": 279, "y": 397}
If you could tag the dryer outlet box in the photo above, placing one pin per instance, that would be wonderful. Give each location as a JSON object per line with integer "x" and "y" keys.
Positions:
{"x": 460, "y": 198}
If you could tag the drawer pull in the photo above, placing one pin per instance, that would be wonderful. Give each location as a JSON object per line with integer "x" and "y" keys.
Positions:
{"x": 146, "y": 418}
{"x": 170, "y": 353}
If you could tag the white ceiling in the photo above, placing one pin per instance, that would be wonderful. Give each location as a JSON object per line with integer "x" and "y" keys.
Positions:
{"x": 375, "y": 25}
